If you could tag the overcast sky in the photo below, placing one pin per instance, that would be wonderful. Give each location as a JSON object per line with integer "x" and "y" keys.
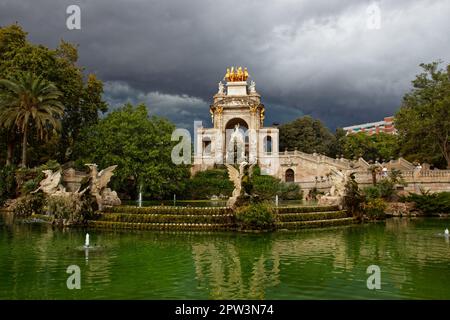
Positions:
{"x": 327, "y": 58}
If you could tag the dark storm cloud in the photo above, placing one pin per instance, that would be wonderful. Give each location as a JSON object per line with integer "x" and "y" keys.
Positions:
{"x": 306, "y": 57}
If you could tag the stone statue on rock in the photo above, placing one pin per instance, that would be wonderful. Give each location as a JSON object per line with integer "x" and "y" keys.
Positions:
{"x": 98, "y": 186}
{"x": 337, "y": 191}
{"x": 243, "y": 187}
{"x": 51, "y": 183}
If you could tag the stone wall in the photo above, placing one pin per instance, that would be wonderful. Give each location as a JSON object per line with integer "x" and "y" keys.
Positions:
{"x": 429, "y": 180}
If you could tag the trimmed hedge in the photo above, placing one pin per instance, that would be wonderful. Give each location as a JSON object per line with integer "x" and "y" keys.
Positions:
{"x": 166, "y": 218}
{"x": 283, "y": 210}
{"x": 213, "y": 218}
{"x": 161, "y": 226}
{"x": 314, "y": 223}
{"x": 170, "y": 210}
{"x": 288, "y": 217}
{"x": 256, "y": 216}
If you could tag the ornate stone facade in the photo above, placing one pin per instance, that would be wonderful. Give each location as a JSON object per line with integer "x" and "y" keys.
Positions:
{"x": 238, "y": 134}
{"x": 237, "y": 116}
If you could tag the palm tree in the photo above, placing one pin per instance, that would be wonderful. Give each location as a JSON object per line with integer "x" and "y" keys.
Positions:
{"x": 374, "y": 169}
{"x": 26, "y": 101}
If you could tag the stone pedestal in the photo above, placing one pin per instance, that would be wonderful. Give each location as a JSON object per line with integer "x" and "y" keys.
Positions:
{"x": 237, "y": 88}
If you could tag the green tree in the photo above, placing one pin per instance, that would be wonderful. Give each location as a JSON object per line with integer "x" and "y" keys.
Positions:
{"x": 141, "y": 147}
{"x": 423, "y": 121}
{"x": 205, "y": 184}
{"x": 82, "y": 100}
{"x": 374, "y": 147}
{"x": 337, "y": 147}
{"x": 28, "y": 101}
{"x": 307, "y": 135}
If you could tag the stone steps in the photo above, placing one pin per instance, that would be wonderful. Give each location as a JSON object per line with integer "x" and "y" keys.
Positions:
{"x": 168, "y": 210}
{"x": 166, "y": 218}
{"x": 313, "y": 223}
{"x": 292, "y": 217}
{"x": 306, "y": 209}
{"x": 212, "y": 219}
{"x": 162, "y": 226}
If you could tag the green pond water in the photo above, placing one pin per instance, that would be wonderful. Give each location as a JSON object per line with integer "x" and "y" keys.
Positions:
{"x": 413, "y": 255}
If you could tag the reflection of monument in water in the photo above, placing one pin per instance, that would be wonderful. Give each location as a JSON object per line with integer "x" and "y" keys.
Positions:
{"x": 219, "y": 267}
{"x": 230, "y": 270}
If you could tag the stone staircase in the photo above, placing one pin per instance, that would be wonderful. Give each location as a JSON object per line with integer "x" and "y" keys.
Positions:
{"x": 212, "y": 219}
{"x": 166, "y": 218}
{"x": 311, "y": 217}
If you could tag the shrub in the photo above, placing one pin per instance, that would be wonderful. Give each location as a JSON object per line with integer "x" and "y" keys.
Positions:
{"x": 372, "y": 192}
{"x": 207, "y": 183}
{"x": 375, "y": 208}
{"x": 71, "y": 207}
{"x": 290, "y": 191}
{"x": 256, "y": 216}
{"x": 386, "y": 188}
{"x": 28, "y": 205}
{"x": 265, "y": 186}
{"x": 430, "y": 203}
{"x": 383, "y": 189}
{"x": 353, "y": 198}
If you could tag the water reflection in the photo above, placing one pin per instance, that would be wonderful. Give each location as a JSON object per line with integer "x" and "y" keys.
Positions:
{"x": 329, "y": 263}
{"x": 219, "y": 269}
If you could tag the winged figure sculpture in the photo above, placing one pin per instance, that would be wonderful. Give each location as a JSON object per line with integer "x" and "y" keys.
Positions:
{"x": 99, "y": 181}
{"x": 51, "y": 183}
{"x": 239, "y": 178}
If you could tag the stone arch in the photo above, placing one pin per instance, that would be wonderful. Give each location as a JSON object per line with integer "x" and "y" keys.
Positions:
{"x": 234, "y": 155}
{"x": 234, "y": 121}
{"x": 289, "y": 175}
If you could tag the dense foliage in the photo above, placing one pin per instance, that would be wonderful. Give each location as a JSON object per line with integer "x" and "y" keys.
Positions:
{"x": 379, "y": 147}
{"x": 71, "y": 208}
{"x": 306, "y": 134}
{"x": 28, "y": 205}
{"x": 310, "y": 135}
{"x": 29, "y": 101}
{"x": 375, "y": 208}
{"x": 206, "y": 184}
{"x": 423, "y": 122}
{"x": 141, "y": 147}
{"x": 215, "y": 182}
{"x": 7, "y": 183}
{"x": 430, "y": 203}
{"x": 386, "y": 187}
{"x": 82, "y": 100}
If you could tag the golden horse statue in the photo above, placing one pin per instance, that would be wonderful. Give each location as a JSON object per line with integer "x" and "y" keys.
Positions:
{"x": 236, "y": 74}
